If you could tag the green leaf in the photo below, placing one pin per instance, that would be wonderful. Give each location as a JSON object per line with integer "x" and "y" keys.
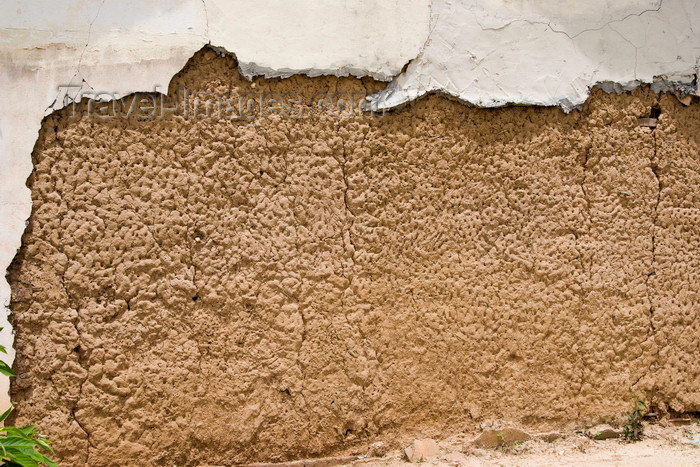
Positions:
{"x": 28, "y": 430}
{"x": 5, "y": 414}
{"x": 42, "y": 443}
{"x": 3, "y": 349}
{"x": 39, "y": 457}
{"x": 16, "y": 442}
{"x": 20, "y": 433}
{"x": 6, "y": 370}
{"x": 25, "y": 430}
{"x": 22, "y": 456}
{"x": 22, "y": 452}
{"x": 13, "y": 430}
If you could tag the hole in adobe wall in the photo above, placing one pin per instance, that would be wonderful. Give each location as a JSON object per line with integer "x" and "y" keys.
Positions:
{"x": 652, "y": 120}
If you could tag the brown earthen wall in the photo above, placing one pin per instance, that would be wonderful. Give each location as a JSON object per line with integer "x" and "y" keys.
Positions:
{"x": 209, "y": 291}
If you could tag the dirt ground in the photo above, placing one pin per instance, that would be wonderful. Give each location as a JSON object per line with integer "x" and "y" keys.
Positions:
{"x": 661, "y": 446}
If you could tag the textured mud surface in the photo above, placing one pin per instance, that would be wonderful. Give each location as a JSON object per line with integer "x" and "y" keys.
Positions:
{"x": 211, "y": 291}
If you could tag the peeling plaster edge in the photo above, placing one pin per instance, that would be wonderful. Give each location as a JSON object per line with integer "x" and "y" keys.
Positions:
{"x": 249, "y": 70}
{"x": 392, "y": 98}
{"x": 681, "y": 85}
{"x": 252, "y": 70}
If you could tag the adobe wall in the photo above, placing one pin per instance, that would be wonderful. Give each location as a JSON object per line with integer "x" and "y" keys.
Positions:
{"x": 214, "y": 291}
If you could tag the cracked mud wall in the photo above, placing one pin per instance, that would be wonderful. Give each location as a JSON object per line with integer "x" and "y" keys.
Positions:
{"x": 488, "y": 53}
{"x": 674, "y": 280}
{"x": 211, "y": 291}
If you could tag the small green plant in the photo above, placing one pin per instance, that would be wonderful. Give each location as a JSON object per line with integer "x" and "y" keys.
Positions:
{"x": 633, "y": 429}
{"x": 19, "y": 447}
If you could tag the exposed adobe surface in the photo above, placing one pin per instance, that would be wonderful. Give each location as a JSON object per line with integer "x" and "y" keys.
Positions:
{"x": 211, "y": 291}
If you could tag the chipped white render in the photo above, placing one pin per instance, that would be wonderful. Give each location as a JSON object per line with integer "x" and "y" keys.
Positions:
{"x": 550, "y": 52}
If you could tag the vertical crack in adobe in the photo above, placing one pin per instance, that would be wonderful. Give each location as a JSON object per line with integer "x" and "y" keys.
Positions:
{"x": 348, "y": 212}
{"x": 588, "y": 211}
{"x": 80, "y": 350}
{"x": 651, "y": 329}
{"x": 195, "y": 238}
{"x": 350, "y": 222}
{"x": 577, "y": 245}
{"x": 297, "y": 245}
{"x": 83, "y": 365}
{"x": 654, "y": 166}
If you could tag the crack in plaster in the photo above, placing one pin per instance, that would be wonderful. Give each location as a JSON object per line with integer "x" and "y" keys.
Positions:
{"x": 87, "y": 42}
{"x": 449, "y": 69}
{"x": 206, "y": 19}
{"x": 657, "y": 9}
{"x": 636, "y": 50}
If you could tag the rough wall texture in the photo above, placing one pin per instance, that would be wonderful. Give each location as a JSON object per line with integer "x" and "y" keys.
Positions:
{"x": 210, "y": 291}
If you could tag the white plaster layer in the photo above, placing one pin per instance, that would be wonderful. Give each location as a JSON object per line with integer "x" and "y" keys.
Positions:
{"x": 336, "y": 37}
{"x": 548, "y": 52}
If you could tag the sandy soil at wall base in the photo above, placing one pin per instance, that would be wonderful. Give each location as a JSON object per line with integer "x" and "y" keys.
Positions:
{"x": 662, "y": 446}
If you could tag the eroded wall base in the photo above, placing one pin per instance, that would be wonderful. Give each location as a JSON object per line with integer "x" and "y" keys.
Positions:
{"x": 208, "y": 291}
